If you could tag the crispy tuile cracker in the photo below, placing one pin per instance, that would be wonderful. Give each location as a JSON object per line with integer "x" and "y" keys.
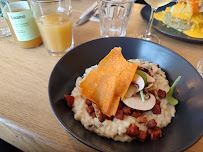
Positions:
{"x": 107, "y": 84}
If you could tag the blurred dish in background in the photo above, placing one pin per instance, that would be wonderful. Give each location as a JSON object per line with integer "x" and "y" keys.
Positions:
{"x": 185, "y": 16}
{"x": 148, "y": 36}
{"x": 160, "y": 26}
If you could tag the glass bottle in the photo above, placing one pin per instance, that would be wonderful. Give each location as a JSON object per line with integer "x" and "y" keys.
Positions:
{"x": 23, "y": 27}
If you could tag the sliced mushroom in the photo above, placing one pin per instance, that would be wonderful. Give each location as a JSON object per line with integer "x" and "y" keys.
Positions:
{"x": 136, "y": 85}
{"x": 131, "y": 91}
{"x": 149, "y": 85}
{"x": 136, "y": 102}
{"x": 98, "y": 112}
{"x": 149, "y": 78}
{"x": 137, "y": 79}
{"x": 147, "y": 96}
{"x": 150, "y": 81}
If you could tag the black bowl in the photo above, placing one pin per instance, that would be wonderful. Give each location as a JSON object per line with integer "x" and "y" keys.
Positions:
{"x": 184, "y": 130}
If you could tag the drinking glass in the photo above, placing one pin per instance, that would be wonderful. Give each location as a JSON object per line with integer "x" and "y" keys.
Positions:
{"x": 4, "y": 29}
{"x": 53, "y": 18}
{"x": 114, "y": 16}
{"x": 155, "y": 4}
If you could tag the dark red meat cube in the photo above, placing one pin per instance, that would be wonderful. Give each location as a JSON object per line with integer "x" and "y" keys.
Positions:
{"x": 151, "y": 123}
{"x": 140, "y": 111}
{"x": 152, "y": 92}
{"x": 155, "y": 133}
{"x": 161, "y": 93}
{"x": 136, "y": 114}
{"x": 132, "y": 131}
{"x": 88, "y": 102}
{"x": 156, "y": 109}
{"x": 158, "y": 102}
{"x": 120, "y": 106}
{"x": 119, "y": 114}
{"x": 90, "y": 109}
{"x": 70, "y": 100}
{"x": 142, "y": 135}
{"x": 141, "y": 119}
{"x": 127, "y": 110}
{"x": 93, "y": 115}
{"x": 110, "y": 118}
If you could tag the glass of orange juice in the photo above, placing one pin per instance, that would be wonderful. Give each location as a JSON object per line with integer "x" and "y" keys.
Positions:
{"x": 53, "y": 18}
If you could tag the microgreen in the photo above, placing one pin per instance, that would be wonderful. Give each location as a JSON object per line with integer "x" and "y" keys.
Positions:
{"x": 169, "y": 94}
{"x": 142, "y": 95}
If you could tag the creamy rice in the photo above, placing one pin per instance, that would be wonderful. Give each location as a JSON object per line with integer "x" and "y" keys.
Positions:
{"x": 116, "y": 129}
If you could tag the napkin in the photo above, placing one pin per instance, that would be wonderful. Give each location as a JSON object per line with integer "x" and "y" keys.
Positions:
{"x": 95, "y": 17}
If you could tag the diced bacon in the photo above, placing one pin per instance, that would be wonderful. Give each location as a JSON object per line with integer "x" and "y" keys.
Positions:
{"x": 70, "y": 100}
{"x": 142, "y": 135}
{"x": 141, "y": 119}
{"x": 119, "y": 114}
{"x": 136, "y": 114}
{"x": 120, "y": 106}
{"x": 140, "y": 111}
{"x": 104, "y": 117}
{"x": 152, "y": 92}
{"x": 88, "y": 102}
{"x": 161, "y": 93}
{"x": 127, "y": 110}
{"x": 90, "y": 109}
{"x": 155, "y": 133}
{"x": 93, "y": 115}
{"x": 151, "y": 123}
{"x": 109, "y": 118}
{"x": 158, "y": 102}
{"x": 132, "y": 131}
{"x": 156, "y": 109}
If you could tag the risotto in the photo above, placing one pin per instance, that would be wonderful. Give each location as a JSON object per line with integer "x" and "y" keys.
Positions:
{"x": 134, "y": 124}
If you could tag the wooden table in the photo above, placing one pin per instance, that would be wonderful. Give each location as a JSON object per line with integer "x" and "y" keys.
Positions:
{"x": 26, "y": 118}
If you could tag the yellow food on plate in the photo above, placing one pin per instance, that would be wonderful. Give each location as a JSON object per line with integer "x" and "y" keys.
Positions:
{"x": 107, "y": 84}
{"x": 185, "y": 16}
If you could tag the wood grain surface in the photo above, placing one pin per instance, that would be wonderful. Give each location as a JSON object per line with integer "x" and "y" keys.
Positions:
{"x": 26, "y": 118}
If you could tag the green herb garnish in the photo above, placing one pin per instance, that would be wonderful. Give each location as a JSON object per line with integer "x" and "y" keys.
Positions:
{"x": 142, "y": 95}
{"x": 169, "y": 94}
